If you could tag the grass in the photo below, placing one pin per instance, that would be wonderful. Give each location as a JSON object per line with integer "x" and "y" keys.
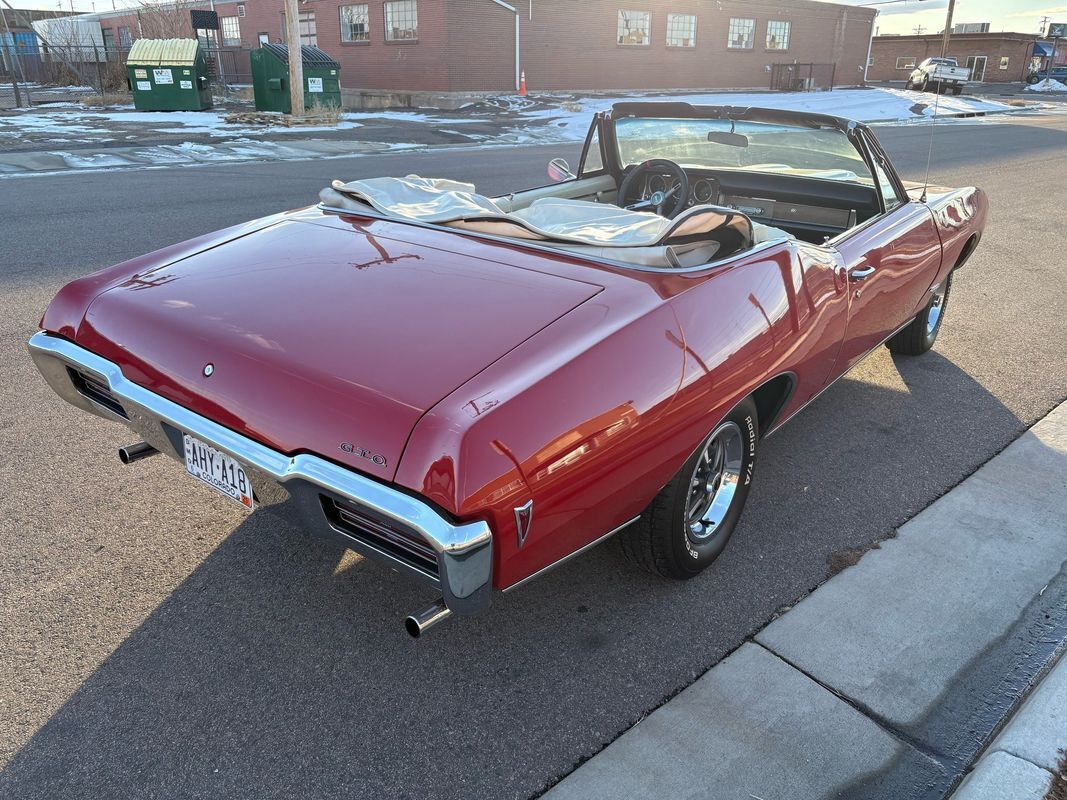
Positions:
{"x": 326, "y": 114}
{"x": 1057, "y": 789}
{"x": 106, "y": 99}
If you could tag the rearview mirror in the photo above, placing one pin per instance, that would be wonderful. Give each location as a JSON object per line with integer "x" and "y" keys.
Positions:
{"x": 728, "y": 138}
{"x": 559, "y": 170}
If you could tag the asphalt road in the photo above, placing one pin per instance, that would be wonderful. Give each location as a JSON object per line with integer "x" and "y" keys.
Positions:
{"x": 156, "y": 643}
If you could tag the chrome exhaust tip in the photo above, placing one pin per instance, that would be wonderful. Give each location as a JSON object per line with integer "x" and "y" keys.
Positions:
{"x": 417, "y": 624}
{"x": 133, "y": 452}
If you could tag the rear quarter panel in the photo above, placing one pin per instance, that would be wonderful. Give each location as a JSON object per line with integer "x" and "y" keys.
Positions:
{"x": 960, "y": 216}
{"x": 593, "y": 416}
{"x": 568, "y": 419}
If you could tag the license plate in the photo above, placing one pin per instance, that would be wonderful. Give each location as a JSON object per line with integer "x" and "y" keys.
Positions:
{"x": 218, "y": 470}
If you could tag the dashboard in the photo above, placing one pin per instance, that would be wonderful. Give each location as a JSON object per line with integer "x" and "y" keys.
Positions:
{"x": 767, "y": 202}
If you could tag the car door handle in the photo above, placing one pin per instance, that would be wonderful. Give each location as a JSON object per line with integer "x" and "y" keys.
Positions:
{"x": 860, "y": 273}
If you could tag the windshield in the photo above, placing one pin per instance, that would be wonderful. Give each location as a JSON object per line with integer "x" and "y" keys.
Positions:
{"x": 823, "y": 153}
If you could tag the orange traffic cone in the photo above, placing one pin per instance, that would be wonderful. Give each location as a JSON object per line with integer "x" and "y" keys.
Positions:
{"x": 522, "y": 83}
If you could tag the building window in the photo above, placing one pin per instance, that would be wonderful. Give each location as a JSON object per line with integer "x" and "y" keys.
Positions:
{"x": 906, "y": 62}
{"x": 742, "y": 32}
{"x": 355, "y": 23}
{"x": 401, "y": 20}
{"x": 108, "y": 38}
{"x": 264, "y": 38}
{"x": 778, "y": 35}
{"x": 240, "y": 9}
{"x": 305, "y": 23}
{"x": 681, "y": 30}
{"x": 634, "y": 27}
{"x": 231, "y": 31}
{"x": 124, "y": 37}
{"x": 1004, "y": 60}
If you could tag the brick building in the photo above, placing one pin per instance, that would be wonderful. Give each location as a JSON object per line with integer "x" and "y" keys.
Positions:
{"x": 470, "y": 45}
{"x": 992, "y": 57}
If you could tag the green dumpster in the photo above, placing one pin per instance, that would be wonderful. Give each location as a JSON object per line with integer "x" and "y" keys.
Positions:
{"x": 270, "y": 78}
{"x": 168, "y": 75}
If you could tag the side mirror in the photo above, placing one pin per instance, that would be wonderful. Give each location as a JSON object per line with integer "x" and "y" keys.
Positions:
{"x": 559, "y": 170}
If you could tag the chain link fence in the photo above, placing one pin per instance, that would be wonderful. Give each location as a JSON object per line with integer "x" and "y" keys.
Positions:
{"x": 86, "y": 65}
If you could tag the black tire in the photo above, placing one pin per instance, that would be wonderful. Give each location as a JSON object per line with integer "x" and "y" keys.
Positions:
{"x": 957, "y": 90}
{"x": 920, "y": 335}
{"x": 662, "y": 540}
{"x": 908, "y": 85}
{"x": 925, "y": 85}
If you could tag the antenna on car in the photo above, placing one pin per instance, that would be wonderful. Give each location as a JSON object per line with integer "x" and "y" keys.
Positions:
{"x": 937, "y": 97}
{"x": 930, "y": 149}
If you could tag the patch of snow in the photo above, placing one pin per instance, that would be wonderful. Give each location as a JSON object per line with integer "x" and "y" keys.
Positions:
{"x": 91, "y": 160}
{"x": 1048, "y": 85}
{"x": 570, "y": 123}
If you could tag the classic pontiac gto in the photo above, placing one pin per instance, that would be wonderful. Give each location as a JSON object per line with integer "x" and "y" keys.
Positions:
{"x": 473, "y": 389}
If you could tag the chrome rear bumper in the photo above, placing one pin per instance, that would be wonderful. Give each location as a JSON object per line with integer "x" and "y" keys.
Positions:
{"x": 299, "y": 487}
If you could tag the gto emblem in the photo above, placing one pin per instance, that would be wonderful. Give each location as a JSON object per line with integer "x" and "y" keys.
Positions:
{"x": 209, "y": 369}
{"x": 523, "y": 521}
{"x": 376, "y": 458}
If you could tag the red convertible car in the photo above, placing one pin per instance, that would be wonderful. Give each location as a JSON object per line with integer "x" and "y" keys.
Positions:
{"x": 475, "y": 389}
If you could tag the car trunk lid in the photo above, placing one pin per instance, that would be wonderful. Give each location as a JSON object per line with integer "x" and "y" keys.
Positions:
{"x": 322, "y": 339}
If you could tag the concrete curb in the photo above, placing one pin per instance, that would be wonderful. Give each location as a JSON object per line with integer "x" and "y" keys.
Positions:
{"x": 1021, "y": 761}
{"x": 888, "y": 680}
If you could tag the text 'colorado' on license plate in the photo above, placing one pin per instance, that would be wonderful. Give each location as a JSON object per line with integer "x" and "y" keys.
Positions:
{"x": 218, "y": 470}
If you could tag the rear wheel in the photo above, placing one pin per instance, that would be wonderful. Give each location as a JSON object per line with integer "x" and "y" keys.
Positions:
{"x": 957, "y": 90}
{"x": 921, "y": 334}
{"x": 690, "y": 521}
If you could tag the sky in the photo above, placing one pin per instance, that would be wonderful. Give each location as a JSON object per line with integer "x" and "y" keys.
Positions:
{"x": 1021, "y": 16}
{"x": 1017, "y": 16}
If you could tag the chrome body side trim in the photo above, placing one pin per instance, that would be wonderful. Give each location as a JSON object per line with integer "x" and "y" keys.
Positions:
{"x": 288, "y": 484}
{"x": 569, "y": 556}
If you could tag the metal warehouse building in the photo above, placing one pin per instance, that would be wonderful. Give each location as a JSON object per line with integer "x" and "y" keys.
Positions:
{"x": 480, "y": 45}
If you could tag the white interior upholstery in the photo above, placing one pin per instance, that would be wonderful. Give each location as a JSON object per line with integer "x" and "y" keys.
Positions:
{"x": 575, "y": 225}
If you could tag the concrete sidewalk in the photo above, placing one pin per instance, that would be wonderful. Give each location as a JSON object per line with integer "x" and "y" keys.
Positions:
{"x": 889, "y": 680}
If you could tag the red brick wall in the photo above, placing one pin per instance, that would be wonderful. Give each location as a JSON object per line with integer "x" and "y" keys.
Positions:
{"x": 569, "y": 45}
{"x": 1016, "y": 46}
{"x": 469, "y": 45}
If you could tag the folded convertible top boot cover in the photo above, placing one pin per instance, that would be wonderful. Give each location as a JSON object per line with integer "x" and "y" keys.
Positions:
{"x": 606, "y": 230}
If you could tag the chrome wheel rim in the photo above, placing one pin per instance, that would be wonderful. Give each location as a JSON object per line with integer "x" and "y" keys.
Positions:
{"x": 933, "y": 316}
{"x": 714, "y": 482}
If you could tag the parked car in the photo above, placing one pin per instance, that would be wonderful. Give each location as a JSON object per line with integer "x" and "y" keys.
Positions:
{"x": 939, "y": 74}
{"x": 475, "y": 389}
{"x": 1056, "y": 73}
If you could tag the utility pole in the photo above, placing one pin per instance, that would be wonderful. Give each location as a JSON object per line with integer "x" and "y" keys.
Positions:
{"x": 13, "y": 62}
{"x": 948, "y": 28}
{"x": 296, "y": 58}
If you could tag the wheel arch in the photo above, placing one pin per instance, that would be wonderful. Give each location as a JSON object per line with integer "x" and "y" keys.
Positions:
{"x": 968, "y": 250}
{"x": 771, "y": 397}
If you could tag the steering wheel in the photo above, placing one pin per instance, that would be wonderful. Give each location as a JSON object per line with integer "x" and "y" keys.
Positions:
{"x": 660, "y": 202}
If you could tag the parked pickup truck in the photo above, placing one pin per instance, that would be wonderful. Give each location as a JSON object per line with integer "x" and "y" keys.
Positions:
{"x": 939, "y": 74}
